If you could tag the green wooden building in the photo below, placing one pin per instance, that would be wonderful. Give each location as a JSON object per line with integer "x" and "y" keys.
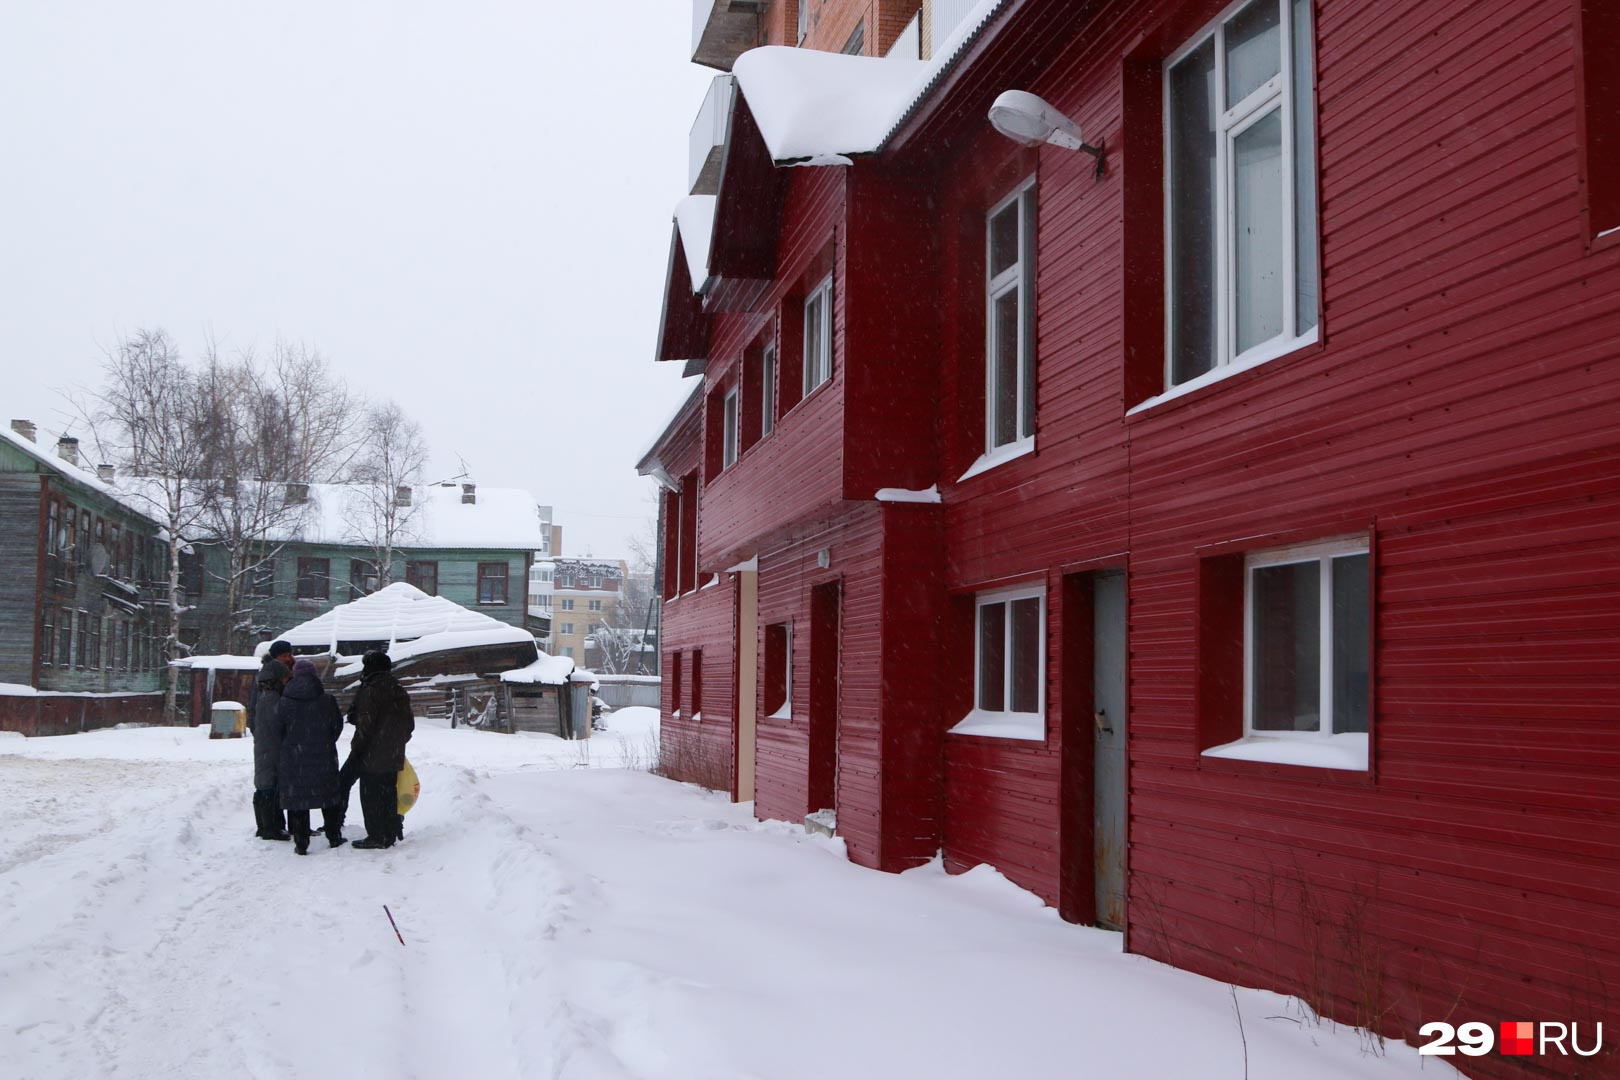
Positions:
{"x": 81, "y": 572}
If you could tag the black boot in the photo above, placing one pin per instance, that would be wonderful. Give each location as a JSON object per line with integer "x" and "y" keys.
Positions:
{"x": 371, "y": 843}
{"x": 334, "y": 836}
{"x": 299, "y": 820}
{"x": 268, "y": 816}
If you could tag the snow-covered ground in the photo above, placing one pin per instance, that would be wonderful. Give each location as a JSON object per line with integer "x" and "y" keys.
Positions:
{"x": 563, "y": 917}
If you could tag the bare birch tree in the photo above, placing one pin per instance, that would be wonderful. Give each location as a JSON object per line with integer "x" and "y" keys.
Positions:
{"x": 382, "y": 504}
{"x": 151, "y": 414}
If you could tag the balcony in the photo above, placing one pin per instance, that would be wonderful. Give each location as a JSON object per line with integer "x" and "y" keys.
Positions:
{"x": 723, "y": 29}
{"x": 708, "y": 138}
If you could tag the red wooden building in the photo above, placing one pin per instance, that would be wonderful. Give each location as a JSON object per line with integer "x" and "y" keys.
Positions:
{"x": 1222, "y": 540}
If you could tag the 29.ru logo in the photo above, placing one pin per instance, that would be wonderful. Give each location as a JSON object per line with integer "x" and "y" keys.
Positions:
{"x": 1518, "y": 1037}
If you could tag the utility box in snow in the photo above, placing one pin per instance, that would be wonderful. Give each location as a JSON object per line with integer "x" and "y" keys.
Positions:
{"x": 229, "y": 720}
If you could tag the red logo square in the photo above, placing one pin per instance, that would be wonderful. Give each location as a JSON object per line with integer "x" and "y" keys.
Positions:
{"x": 1518, "y": 1037}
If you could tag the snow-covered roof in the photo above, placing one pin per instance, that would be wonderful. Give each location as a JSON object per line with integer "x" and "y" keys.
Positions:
{"x": 336, "y": 514}
{"x": 408, "y": 619}
{"x": 547, "y": 671}
{"x": 219, "y": 663}
{"x": 78, "y": 473}
{"x": 819, "y": 108}
{"x": 694, "y": 217}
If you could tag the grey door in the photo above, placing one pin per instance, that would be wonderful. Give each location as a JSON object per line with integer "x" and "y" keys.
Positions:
{"x": 1108, "y": 712}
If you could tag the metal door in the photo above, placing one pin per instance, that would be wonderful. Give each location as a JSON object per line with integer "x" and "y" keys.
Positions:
{"x": 1108, "y": 712}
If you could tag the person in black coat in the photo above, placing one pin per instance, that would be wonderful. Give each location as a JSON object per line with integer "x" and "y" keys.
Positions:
{"x": 307, "y": 724}
{"x": 383, "y": 724}
{"x": 273, "y": 675}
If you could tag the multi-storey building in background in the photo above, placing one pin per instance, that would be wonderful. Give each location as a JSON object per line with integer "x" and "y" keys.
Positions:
{"x": 1194, "y": 491}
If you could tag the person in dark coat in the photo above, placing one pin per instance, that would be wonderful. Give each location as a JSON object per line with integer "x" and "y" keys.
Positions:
{"x": 308, "y": 723}
{"x": 273, "y": 675}
{"x": 383, "y": 724}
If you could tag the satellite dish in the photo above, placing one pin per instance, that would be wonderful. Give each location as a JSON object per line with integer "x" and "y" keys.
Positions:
{"x": 99, "y": 560}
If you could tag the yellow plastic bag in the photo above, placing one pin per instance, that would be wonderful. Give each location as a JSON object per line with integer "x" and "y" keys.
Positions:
{"x": 408, "y": 786}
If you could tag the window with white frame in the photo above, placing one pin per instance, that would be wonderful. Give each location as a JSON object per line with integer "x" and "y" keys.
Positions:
{"x": 1240, "y": 193}
{"x": 566, "y": 628}
{"x": 567, "y": 604}
{"x": 1009, "y": 665}
{"x": 1308, "y": 645}
{"x": 728, "y": 450}
{"x": 767, "y": 394}
{"x": 595, "y": 605}
{"x": 1009, "y": 393}
{"x": 818, "y": 330}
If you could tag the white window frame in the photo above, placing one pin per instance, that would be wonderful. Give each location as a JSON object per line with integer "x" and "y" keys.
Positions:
{"x": 1276, "y": 95}
{"x": 568, "y": 604}
{"x": 1020, "y": 276}
{"x": 1005, "y": 723}
{"x": 729, "y": 432}
{"x": 1321, "y": 748}
{"x": 767, "y": 382}
{"x": 784, "y": 711}
{"x": 566, "y": 628}
{"x": 818, "y": 304}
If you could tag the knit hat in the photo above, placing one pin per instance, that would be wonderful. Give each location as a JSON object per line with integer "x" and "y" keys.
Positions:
{"x": 303, "y": 667}
{"x": 376, "y": 660}
{"x": 277, "y": 648}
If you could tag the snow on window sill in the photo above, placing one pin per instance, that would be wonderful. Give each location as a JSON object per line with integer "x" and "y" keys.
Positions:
{"x": 1347, "y": 751}
{"x": 999, "y": 456}
{"x": 1031, "y": 727}
{"x": 1252, "y": 359}
{"x": 928, "y": 495}
{"x": 783, "y": 713}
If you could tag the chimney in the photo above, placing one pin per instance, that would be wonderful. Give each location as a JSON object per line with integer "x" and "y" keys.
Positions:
{"x": 106, "y": 473}
{"x": 67, "y": 448}
{"x": 25, "y": 428}
{"x": 297, "y": 494}
{"x": 402, "y": 495}
{"x": 469, "y": 494}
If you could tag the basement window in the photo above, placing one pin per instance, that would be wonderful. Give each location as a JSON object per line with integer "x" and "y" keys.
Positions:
{"x": 1009, "y": 666}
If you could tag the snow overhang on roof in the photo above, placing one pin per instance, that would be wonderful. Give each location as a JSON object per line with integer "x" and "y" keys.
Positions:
{"x": 405, "y": 621}
{"x": 651, "y": 462}
{"x": 683, "y": 326}
{"x": 819, "y": 108}
{"x": 80, "y": 475}
{"x": 694, "y": 220}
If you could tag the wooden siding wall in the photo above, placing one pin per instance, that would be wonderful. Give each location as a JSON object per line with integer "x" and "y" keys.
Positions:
{"x": 786, "y": 576}
{"x": 69, "y": 715}
{"x": 19, "y": 575}
{"x": 749, "y": 501}
{"x": 1462, "y": 403}
{"x": 691, "y": 750}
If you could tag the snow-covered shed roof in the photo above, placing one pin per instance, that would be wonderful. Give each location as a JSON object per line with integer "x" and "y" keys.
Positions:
{"x": 409, "y": 620}
{"x": 547, "y": 671}
{"x": 819, "y": 108}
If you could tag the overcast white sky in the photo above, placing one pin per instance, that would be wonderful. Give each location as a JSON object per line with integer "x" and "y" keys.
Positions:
{"x": 466, "y": 205}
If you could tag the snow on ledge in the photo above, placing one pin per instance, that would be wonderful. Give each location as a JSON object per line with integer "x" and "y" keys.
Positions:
{"x": 1030, "y": 727}
{"x": 219, "y": 663}
{"x": 999, "y": 456}
{"x": 8, "y": 689}
{"x": 930, "y": 494}
{"x": 1347, "y": 751}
